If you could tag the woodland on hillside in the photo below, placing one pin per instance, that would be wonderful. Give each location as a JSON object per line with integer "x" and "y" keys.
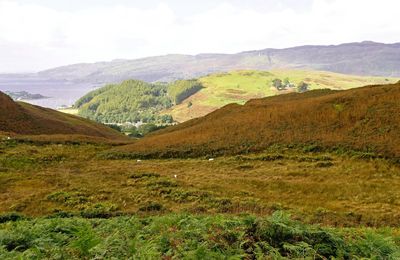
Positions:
{"x": 135, "y": 101}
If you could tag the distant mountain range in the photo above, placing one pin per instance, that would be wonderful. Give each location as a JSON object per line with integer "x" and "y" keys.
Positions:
{"x": 365, "y": 58}
{"x": 67, "y": 84}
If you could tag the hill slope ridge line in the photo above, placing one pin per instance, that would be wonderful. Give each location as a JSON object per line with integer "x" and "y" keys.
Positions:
{"x": 25, "y": 119}
{"x": 366, "y": 119}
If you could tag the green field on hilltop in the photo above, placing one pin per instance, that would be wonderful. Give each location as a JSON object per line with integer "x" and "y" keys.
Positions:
{"x": 240, "y": 86}
{"x": 162, "y": 103}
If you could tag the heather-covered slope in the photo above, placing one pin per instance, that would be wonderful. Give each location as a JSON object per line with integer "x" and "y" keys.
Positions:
{"x": 366, "y": 118}
{"x": 24, "y": 119}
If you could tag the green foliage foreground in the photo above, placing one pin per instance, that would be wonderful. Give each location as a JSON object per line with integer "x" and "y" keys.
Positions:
{"x": 190, "y": 237}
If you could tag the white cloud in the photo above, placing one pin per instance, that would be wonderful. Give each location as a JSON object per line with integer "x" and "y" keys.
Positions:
{"x": 36, "y": 37}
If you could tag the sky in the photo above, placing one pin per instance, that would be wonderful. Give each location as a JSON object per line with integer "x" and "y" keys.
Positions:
{"x": 41, "y": 34}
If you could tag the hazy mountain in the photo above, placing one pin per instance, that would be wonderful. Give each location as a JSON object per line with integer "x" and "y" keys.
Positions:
{"x": 365, "y": 58}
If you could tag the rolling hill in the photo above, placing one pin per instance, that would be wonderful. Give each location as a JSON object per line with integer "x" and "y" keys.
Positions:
{"x": 17, "y": 118}
{"x": 240, "y": 86}
{"x": 364, "y": 119}
{"x": 134, "y": 100}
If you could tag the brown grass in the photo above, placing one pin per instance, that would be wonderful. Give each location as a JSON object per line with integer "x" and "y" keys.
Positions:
{"x": 25, "y": 119}
{"x": 39, "y": 180}
{"x": 365, "y": 119}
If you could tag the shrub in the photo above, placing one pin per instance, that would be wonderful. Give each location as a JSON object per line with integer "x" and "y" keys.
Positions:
{"x": 377, "y": 246}
{"x": 13, "y": 216}
{"x": 277, "y": 83}
{"x": 68, "y": 198}
{"x": 85, "y": 240}
{"x": 290, "y": 237}
{"x": 302, "y": 87}
{"x": 324, "y": 164}
{"x": 152, "y": 206}
{"x": 144, "y": 175}
{"x": 115, "y": 127}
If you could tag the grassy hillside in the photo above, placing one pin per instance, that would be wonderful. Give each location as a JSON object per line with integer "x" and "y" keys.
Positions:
{"x": 335, "y": 189}
{"x": 72, "y": 201}
{"x": 133, "y": 101}
{"x": 29, "y": 120}
{"x": 359, "y": 119}
{"x": 67, "y": 200}
{"x": 240, "y": 86}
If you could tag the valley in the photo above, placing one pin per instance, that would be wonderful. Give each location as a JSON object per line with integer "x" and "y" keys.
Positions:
{"x": 199, "y": 130}
{"x": 239, "y": 187}
{"x": 240, "y": 86}
{"x": 67, "y": 84}
{"x": 322, "y": 119}
{"x": 135, "y": 101}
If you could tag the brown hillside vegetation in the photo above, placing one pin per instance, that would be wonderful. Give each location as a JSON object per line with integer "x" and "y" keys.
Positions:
{"x": 366, "y": 119}
{"x": 34, "y": 122}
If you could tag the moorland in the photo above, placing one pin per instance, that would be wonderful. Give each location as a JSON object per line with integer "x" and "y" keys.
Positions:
{"x": 312, "y": 175}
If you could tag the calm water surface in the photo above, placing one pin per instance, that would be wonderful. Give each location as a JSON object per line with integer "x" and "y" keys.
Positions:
{"x": 60, "y": 93}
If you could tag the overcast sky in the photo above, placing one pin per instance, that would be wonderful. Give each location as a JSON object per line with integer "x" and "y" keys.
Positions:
{"x": 40, "y": 34}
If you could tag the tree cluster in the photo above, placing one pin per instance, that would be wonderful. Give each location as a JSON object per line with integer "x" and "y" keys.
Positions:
{"x": 286, "y": 84}
{"x": 182, "y": 89}
{"x": 135, "y": 101}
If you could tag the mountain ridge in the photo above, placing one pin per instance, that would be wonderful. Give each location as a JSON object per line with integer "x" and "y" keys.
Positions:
{"x": 358, "y": 58}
